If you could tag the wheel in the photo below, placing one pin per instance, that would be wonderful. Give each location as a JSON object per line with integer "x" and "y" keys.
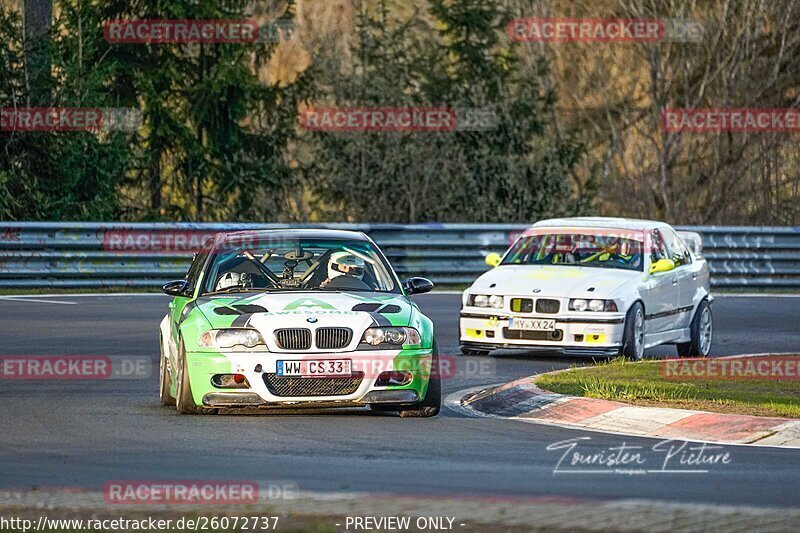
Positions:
{"x": 466, "y": 350}
{"x": 184, "y": 402}
{"x": 633, "y": 336}
{"x": 428, "y": 406}
{"x": 432, "y": 403}
{"x": 164, "y": 382}
{"x": 702, "y": 329}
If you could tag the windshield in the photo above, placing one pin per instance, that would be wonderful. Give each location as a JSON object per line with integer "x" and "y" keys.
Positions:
{"x": 577, "y": 249}
{"x": 295, "y": 265}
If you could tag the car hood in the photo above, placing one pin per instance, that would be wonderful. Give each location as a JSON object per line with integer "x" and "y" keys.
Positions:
{"x": 267, "y": 311}
{"x": 553, "y": 281}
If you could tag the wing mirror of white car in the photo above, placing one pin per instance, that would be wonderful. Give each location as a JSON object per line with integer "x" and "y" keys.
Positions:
{"x": 662, "y": 265}
{"x": 493, "y": 259}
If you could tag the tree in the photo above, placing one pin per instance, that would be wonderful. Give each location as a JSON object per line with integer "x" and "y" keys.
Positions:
{"x": 451, "y": 56}
{"x": 57, "y": 175}
{"x": 37, "y": 20}
{"x": 518, "y": 168}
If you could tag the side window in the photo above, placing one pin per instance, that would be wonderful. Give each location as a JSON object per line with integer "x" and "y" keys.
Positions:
{"x": 657, "y": 249}
{"x": 676, "y": 248}
{"x": 197, "y": 264}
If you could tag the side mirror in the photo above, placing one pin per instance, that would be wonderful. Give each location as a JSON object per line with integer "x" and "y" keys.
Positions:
{"x": 493, "y": 259}
{"x": 662, "y": 265}
{"x": 418, "y": 285}
{"x": 176, "y": 288}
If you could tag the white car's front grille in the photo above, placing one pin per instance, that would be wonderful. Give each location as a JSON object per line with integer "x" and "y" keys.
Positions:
{"x": 547, "y": 306}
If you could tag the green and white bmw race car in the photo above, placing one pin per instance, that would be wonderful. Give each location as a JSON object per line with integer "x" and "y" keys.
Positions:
{"x": 297, "y": 318}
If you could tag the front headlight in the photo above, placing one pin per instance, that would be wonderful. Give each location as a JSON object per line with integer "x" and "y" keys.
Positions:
{"x": 484, "y": 300}
{"x": 230, "y": 337}
{"x": 480, "y": 300}
{"x": 581, "y": 304}
{"x": 391, "y": 335}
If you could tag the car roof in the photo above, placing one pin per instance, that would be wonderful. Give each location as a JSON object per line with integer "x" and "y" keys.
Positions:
{"x": 293, "y": 233}
{"x": 601, "y": 222}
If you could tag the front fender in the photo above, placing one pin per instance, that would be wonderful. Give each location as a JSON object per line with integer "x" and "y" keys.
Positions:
{"x": 630, "y": 293}
{"x": 193, "y": 325}
{"x": 424, "y": 325}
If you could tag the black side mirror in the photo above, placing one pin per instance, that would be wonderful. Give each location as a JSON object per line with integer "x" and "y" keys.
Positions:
{"x": 418, "y": 285}
{"x": 177, "y": 288}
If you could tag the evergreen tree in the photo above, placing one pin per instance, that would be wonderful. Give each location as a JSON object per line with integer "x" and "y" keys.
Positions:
{"x": 515, "y": 169}
{"x": 58, "y": 175}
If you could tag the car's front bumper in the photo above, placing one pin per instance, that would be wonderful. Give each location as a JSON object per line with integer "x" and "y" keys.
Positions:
{"x": 229, "y": 400}
{"x": 572, "y": 335}
{"x": 266, "y": 389}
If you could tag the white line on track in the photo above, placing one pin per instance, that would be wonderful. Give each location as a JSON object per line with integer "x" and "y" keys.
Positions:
{"x": 35, "y": 300}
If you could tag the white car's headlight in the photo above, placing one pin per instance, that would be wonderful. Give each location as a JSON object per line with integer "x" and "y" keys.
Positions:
{"x": 581, "y": 304}
{"x": 480, "y": 300}
{"x": 391, "y": 335}
{"x": 230, "y": 337}
{"x": 484, "y": 300}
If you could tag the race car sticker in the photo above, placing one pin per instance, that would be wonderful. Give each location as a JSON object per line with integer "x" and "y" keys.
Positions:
{"x": 308, "y": 303}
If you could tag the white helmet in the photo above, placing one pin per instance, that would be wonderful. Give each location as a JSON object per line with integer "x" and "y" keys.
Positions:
{"x": 234, "y": 279}
{"x": 345, "y": 263}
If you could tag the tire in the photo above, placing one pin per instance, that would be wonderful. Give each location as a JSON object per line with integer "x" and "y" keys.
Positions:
{"x": 428, "y": 406}
{"x": 633, "y": 336}
{"x": 702, "y": 331}
{"x": 466, "y": 350}
{"x": 185, "y": 402}
{"x": 164, "y": 382}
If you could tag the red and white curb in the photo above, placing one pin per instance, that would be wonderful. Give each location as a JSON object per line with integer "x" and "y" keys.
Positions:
{"x": 522, "y": 400}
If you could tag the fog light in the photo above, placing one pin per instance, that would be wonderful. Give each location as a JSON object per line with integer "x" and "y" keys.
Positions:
{"x": 393, "y": 377}
{"x": 230, "y": 381}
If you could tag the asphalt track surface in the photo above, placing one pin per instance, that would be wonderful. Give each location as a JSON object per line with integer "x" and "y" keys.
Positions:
{"x": 82, "y": 434}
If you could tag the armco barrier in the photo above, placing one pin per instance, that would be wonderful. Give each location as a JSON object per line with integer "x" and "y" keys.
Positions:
{"x": 86, "y": 255}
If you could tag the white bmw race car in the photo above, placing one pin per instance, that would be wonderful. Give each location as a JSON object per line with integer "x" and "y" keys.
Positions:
{"x": 594, "y": 286}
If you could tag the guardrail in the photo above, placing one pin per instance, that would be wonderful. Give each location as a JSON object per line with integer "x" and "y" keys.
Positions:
{"x": 94, "y": 255}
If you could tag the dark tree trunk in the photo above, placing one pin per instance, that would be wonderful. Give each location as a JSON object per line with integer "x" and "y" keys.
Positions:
{"x": 38, "y": 19}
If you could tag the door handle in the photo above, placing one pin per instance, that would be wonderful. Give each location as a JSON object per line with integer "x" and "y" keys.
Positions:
{"x": 674, "y": 281}
{"x": 694, "y": 276}
{"x": 171, "y": 305}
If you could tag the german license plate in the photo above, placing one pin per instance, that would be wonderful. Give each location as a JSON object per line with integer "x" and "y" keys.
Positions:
{"x": 532, "y": 324}
{"x": 313, "y": 368}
